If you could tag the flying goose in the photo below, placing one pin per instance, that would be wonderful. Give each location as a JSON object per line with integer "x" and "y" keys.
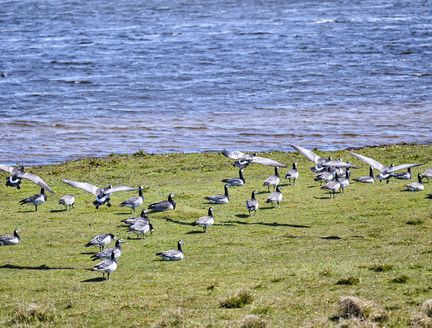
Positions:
{"x": 172, "y": 254}
{"x": 141, "y": 228}
{"x": 143, "y": 217}
{"x": 205, "y": 221}
{"x": 252, "y": 204}
{"x": 135, "y": 201}
{"x": 275, "y": 197}
{"x": 106, "y": 253}
{"x": 367, "y": 178}
{"x": 272, "y": 180}
{"x": 293, "y": 174}
{"x": 416, "y": 186}
{"x": 427, "y": 174}
{"x": 36, "y": 200}
{"x": 10, "y": 240}
{"x": 385, "y": 170}
{"x": 165, "y": 205}
{"x": 219, "y": 199}
{"x": 236, "y": 182}
{"x": 102, "y": 194}
{"x": 67, "y": 201}
{"x": 17, "y": 173}
{"x": 243, "y": 160}
{"x": 235, "y": 154}
{"x": 101, "y": 240}
{"x": 107, "y": 266}
{"x": 333, "y": 186}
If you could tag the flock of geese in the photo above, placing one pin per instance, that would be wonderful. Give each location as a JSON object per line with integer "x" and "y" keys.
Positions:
{"x": 333, "y": 175}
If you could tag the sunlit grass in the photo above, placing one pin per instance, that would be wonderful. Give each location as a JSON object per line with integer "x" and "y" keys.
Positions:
{"x": 289, "y": 258}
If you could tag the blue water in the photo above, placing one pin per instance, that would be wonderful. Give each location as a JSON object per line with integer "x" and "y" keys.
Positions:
{"x": 89, "y": 78}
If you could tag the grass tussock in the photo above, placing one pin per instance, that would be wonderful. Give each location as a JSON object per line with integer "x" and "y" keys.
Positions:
{"x": 358, "y": 309}
{"x": 34, "y": 314}
{"x": 350, "y": 280}
{"x": 423, "y": 319}
{"x": 253, "y": 321}
{"x": 402, "y": 279}
{"x": 381, "y": 267}
{"x": 238, "y": 300}
{"x": 415, "y": 222}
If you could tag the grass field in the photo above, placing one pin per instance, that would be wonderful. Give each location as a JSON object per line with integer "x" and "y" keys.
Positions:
{"x": 284, "y": 267}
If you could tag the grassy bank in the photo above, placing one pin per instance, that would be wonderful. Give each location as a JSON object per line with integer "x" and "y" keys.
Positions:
{"x": 291, "y": 264}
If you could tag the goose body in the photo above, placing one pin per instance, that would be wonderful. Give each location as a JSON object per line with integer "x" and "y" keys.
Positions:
{"x": 325, "y": 175}
{"x": 129, "y": 221}
{"x": 367, "y": 178}
{"x": 173, "y": 254}
{"x": 219, "y": 199}
{"x": 101, "y": 240}
{"x": 141, "y": 228}
{"x": 272, "y": 180}
{"x": 10, "y": 239}
{"x": 35, "y": 200}
{"x": 333, "y": 186}
{"x": 206, "y": 221}
{"x": 252, "y": 204}
{"x": 403, "y": 175}
{"x": 416, "y": 186}
{"x": 165, "y": 205}
{"x": 275, "y": 197}
{"x": 236, "y": 182}
{"x": 135, "y": 201}
{"x": 17, "y": 173}
{"x": 106, "y": 253}
{"x": 107, "y": 266}
{"x": 67, "y": 201}
{"x": 344, "y": 182}
{"x": 293, "y": 174}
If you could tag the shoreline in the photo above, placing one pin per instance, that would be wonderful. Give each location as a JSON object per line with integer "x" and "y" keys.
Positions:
{"x": 144, "y": 153}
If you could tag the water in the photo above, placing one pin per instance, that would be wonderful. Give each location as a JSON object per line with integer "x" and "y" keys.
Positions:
{"x": 89, "y": 78}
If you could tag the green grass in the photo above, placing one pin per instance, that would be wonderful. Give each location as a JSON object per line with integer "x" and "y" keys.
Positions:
{"x": 290, "y": 258}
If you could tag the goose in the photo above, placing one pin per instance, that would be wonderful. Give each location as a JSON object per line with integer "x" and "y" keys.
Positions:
{"x": 173, "y": 254}
{"x": 235, "y": 154}
{"x": 344, "y": 182}
{"x": 141, "y": 228}
{"x": 143, "y": 217}
{"x": 106, "y": 253}
{"x": 325, "y": 175}
{"x": 272, "y": 180}
{"x": 275, "y": 197}
{"x": 102, "y": 194}
{"x": 135, "y": 201}
{"x": 416, "y": 186}
{"x": 367, "y": 178}
{"x": 67, "y": 201}
{"x": 17, "y": 173}
{"x": 205, "y": 221}
{"x": 219, "y": 199}
{"x": 266, "y": 161}
{"x": 333, "y": 186}
{"x": 427, "y": 174}
{"x": 107, "y": 266}
{"x": 36, "y": 200}
{"x": 10, "y": 240}
{"x": 292, "y": 174}
{"x": 385, "y": 170}
{"x": 403, "y": 176}
{"x": 101, "y": 240}
{"x": 241, "y": 164}
{"x": 165, "y": 205}
{"x": 252, "y": 204}
{"x": 236, "y": 182}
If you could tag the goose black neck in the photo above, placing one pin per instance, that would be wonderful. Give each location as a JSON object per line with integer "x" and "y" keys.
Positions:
{"x": 241, "y": 175}
{"x": 16, "y": 234}
{"x": 276, "y": 171}
{"x": 371, "y": 172}
{"x": 210, "y": 212}
{"x": 179, "y": 247}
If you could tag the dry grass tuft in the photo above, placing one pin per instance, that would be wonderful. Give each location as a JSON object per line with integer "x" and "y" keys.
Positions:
{"x": 424, "y": 318}
{"x": 352, "y": 307}
{"x": 252, "y": 321}
{"x": 33, "y": 314}
{"x": 238, "y": 300}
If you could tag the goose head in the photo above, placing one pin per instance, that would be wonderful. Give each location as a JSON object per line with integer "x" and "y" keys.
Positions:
{"x": 179, "y": 245}
{"x": 16, "y": 231}
{"x": 254, "y": 193}
{"x": 279, "y": 189}
{"x": 294, "y": 166}
{"x": 419, "y": 177}
{"x": 210, "y": 211}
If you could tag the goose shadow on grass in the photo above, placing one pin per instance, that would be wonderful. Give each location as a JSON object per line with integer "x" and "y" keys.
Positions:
{"x": 27, "y": 211}
{"x": 178, "y": 222}
{"x": 270, "y": 224}
{"x": 58, "y": 211}
{"x": 97, "y": 279}
{"x": 42, "y": 267}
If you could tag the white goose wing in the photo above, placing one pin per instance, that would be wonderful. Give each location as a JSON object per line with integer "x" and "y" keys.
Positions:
{"x": 401, "y": 167}
{"x": 371, "y": 162}
{"x": 38, "y": 180}
{"x": 83, "y": 185}
{"x": 119, "y": 188}
{"x": 6, "y": 168}
{"x": 310, "y": 155}
{"x": 266, "y": 161}
{"x": 338, "y": 164}
{"x": 235, "y": 154}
